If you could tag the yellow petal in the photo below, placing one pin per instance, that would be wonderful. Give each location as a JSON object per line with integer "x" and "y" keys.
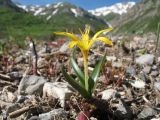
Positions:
{"x": 72, "y": 36}
{"x": 72, "y": 44}
{"x": 100, "y": 32}
{"x": 105, "y": 40}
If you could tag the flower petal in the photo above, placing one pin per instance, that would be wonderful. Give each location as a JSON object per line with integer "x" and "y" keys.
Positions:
{"x": 72, "y": 36}
{"x": 100, "y": 32}
{"x": 72, "y": 44}
{"x": 105, "y": 40}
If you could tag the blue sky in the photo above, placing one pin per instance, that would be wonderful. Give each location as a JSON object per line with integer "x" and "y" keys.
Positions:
{"x": 86, "y": 4}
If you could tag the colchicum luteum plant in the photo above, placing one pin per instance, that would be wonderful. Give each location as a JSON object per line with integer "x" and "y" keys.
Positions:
{"x": 86, "y": 84}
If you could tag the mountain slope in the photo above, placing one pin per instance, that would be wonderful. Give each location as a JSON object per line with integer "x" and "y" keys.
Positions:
{"x": 15, "y": 22}
{"x": 42, "y": 21}
{"x": 142, "y": 18}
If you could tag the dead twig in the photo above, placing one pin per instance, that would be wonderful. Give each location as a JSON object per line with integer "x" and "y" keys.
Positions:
{"x": 6, "y": 77}
{"x": 4, "y": 83}
{"x": 19, "y": 112}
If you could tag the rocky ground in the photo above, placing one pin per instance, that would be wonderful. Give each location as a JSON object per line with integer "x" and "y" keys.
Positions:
{"x": 128, "y": 87}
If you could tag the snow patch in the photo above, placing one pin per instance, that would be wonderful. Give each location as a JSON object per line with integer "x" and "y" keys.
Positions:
{"x": 49, "y": 17}
{"x": 118, "y": 8}
{"x": 24, "y": 7}
{"x": 74, "y": 11}
{"x": 38, "y": 11}
{"x": 57, "y": 5}
{"x": 54, "y": 12}
{"x": 43, "y": 13}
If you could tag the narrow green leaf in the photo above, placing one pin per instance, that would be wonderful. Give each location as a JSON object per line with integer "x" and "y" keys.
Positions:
{"x": 75, "y": 85}
{"x": 97, "y": 68}
{"x": 94, "y": 76}
{"x": 91, "y": 85}
{"x": 78, "y": 72}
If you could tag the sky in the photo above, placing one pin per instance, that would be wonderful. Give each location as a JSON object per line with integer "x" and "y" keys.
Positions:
{"x": 86, "y": 4}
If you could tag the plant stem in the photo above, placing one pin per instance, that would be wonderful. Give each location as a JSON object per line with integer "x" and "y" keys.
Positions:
{"x": 157, "y": 42}
{"x": 85, "y": 57}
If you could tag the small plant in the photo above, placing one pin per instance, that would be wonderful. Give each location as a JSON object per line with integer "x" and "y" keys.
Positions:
{"x": 86, "y": 84}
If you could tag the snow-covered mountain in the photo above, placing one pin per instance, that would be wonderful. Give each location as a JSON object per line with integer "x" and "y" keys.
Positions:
{"x": 118, "y": 8}
{"x": 52, "y": 9}
{"x": 66, "y": 15}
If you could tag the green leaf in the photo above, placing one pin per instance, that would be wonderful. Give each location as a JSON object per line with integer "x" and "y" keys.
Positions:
{"x": 75, "y": 85}
{"x": 97, "y": 69}
{"x": 91, "y": 85}
{"x": 78, "y": 72}
{"x": 94, "y": 76}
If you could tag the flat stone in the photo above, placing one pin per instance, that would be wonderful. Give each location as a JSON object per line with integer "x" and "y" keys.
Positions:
{"x": 31, "y": 84}
{"x": 146, "y": 59}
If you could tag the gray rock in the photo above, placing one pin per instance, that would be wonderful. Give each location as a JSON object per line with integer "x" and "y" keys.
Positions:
{"x": 123, "y": 111}
{"x": 21, "y": 99}
{"x": 56, "y": 114}
{"x": 154, "y": 73}
{"x": 157, "y": 85}
{"x": 146, "y": 112}
{"x": 154, "y": 67}
{"x": 131, "y": 71}
{"x": 31, "y": 84}
{"x": 146, "y": 59}
{"x": 15, "y": 75}
{"x": 147, "y": 69}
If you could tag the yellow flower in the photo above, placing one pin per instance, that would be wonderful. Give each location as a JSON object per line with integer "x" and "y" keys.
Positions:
{"x": 85, "y": 43}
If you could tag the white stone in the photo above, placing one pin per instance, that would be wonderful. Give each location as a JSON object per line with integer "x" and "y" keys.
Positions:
{"x": 137, "y": 83}
{"x": 111, "y": 58}
{"x": 59, "y": 90}
{"x": 107, "y": 94}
